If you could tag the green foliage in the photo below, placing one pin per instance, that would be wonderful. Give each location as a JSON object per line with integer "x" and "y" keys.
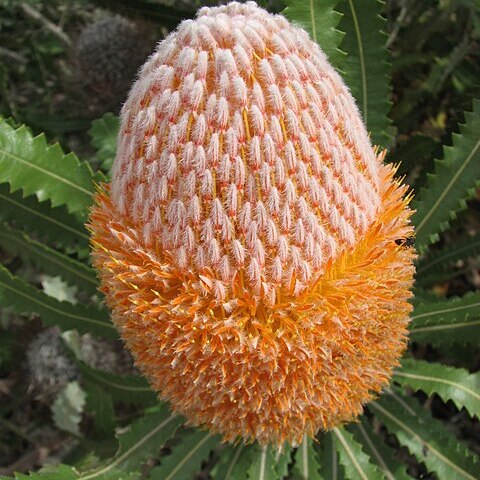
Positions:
{"x": 232, "y": 463}
{"x": 48, "y": 260}
{"x": 437, "y": 266}
{"x": 449, "y": 383}
{"x": 320, "y": 19}
{"x": 142, "y": 440}
{"x": 53, "y": 225}
{"x": 104, "y": 132}
{"x": 263, "y": 464}
{"x": 185, "y": 458}
{"x": 354, "y": 460}
{"x": 379, "y": 452}
{"x": 330, "y": 467}
{"x": 27, "y": 163}
{"x": 447, "y": 321}
{"x": 25, "y": 298}
{"x": 306, "y": 461}
{"x": 425, "y": 437}
{"x": 452, "y": 183}
{"x": 128, "y": 389}
{"x": 365, "y": 67}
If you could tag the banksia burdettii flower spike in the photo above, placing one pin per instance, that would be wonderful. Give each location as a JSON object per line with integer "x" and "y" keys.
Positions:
{"x": 247, "y": 242}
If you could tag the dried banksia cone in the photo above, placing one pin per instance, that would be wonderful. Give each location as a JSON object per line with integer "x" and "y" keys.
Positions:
{"x": 247, "y": 242}
{"x": 107, "y": 55}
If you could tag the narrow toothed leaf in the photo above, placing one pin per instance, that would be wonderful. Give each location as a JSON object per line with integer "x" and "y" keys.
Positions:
{"x": 129, "y": 389}
{"x": 330, "y": 466}
{"x": 186, "y": 457}
{"x": 450, "y": 383}
{"x": 437, "y": 266}
{"x": 54, "y": 225}
{"x": 320, "y": 20}
{"x": 262, "y": 465}
{"x": 452, "y": 183}
{"x": 141, "y": 441}
{"x": 227, "y": 466}
{"x": 306, "y": 461}
{"x": 355, "y": 461}
{"x": 25, "y": 298}
{"x": 100, "y": 405}
{"x": 365, "y": 67}
{"x": 29, "y": 164}
{"x": 425, "y": 437}
{"x": 48, "y": 261}
{"x": 283, "y": 458}
{"x": 381, "y": 454}
{"x": 104, "y": 132}
{"x": 49, "y": 472}
{"x": 447, "y": 321}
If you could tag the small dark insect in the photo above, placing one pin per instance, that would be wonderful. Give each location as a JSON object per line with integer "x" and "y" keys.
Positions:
{"x": 425, "y": 450}
{"x": 406, "y": 242}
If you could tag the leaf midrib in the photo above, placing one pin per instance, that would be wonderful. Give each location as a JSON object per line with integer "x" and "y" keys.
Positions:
{"x": 188, "y": 456}
{"x": 51, "y": 258}
{"x": 53, "y": 309}
{"x": 46, "y": 172}
{"x": 448, "y": 187}
{"x": 439, "y": 380}
{"x": 362, "y": 60}
{"x": 422, "y": 441}
{"x": 450, "y": 326}
{"x": 446, "y": 310}
{"x": 127, "y": 453}
{"x": 350, "y": 453}
{"x": 44, "y": 217}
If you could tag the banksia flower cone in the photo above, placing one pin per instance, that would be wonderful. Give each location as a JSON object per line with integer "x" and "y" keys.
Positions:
{"x": 248, "y": 242}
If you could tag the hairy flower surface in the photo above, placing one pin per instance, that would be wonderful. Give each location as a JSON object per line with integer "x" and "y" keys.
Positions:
{"x": 247, "y": 242}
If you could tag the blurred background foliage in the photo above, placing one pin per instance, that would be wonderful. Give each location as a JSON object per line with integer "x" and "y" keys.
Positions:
{"x": 65, "y": 69}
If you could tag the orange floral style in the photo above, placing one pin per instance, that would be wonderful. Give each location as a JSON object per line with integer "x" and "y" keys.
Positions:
{"x": 246, "y": 244}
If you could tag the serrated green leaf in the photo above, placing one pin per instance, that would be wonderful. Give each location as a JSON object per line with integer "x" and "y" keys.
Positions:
{"x": 226, "y": 465}
{"x": 104, "y": 132}
{"x": 130, "y": 389}
{"x": 283, "y": 458}
{"x": 447, "y": 321}
{"x": 355, "y": 461}
{"x": 100, "y": 405}
{"x": 48, "y": 261}
{"x": 233, "y": 463}
{"x": 437, "y": 266}
{"x": 29, "y": 164}
{"x": 379, "y": 452}
{"x": 50, "y": 472}
{"x": 67, "y": 408}
{"x": 55, "y": 225}
{"x": 186, "y": 457}
{"x": 306, "y": 462}
{"x": 450, "y": 383}
{"x": 365, "y": 67}
{"x": 25, "y": 298}
{"x": 330, "y": 467}
{"x": 425, "y": 437}
{"x": 452, "y": 183}
{"x": 142, "y": 439}
{"x": 320, "y": 19}
{"x": 262, "y": 466}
